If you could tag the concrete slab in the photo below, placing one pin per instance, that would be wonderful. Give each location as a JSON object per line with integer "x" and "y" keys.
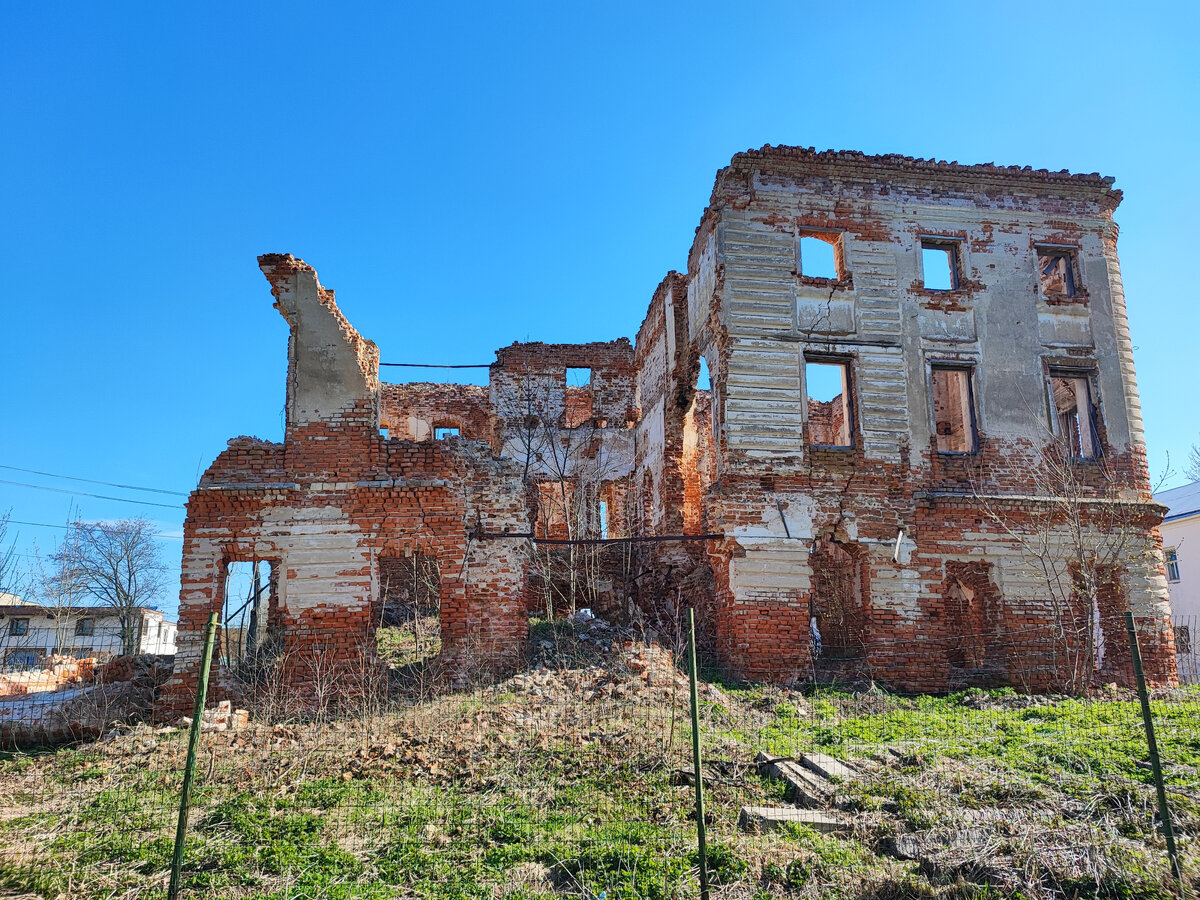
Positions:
{"x": 804, "y": 788}
{"x": 771, "y": 818}
{"x": 923, "y": 846}
{"x": 827, "y": 767}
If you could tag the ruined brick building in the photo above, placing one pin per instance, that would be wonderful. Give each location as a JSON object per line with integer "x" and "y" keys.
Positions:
{"x": 919, "y": 456}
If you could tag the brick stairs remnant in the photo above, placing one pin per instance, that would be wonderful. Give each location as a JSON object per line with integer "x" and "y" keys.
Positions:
{"x": 808, "y": 780}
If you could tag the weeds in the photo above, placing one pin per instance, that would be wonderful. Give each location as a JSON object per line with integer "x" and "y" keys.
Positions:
{"x": 551, "y": 787}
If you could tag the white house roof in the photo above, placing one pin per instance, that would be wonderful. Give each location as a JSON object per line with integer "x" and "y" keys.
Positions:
{"x": 1180, "y": 501}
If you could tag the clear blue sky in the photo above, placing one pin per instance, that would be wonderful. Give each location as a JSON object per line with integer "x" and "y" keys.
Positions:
{"x": 469, "y": 175}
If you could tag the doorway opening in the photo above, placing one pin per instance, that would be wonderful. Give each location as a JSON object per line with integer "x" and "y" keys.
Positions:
{"x": 249, "y": 612}
{"x": 409, "y": 604}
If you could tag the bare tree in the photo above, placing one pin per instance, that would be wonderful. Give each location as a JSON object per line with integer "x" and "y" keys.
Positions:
{"x": 1193, "y": 464}
{"x": 11, "y": 577}
{"x": 1084, "y": 528}
{"x": 57, "y": 583}
{"x": 119, "y": 565}
{"x": 12, "y": 581}
{"x": 568, "y": 469}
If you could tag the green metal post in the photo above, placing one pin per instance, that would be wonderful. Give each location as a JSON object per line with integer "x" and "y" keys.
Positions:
{"x": 699, "y": 777}
{"x": 189, "y": 767}
{"x": 1164, "y": 812}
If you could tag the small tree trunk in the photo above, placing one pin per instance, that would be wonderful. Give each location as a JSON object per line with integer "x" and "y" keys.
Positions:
{"x": 128, "y": 638}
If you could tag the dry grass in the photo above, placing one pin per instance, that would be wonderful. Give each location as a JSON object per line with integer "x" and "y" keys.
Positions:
{"x": 564, "y": 782}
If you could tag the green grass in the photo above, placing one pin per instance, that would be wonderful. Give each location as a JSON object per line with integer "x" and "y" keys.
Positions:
{"x": 1068, "y": 741}
{"x": 409, "y": 644}
{"x": 503, "y": 796}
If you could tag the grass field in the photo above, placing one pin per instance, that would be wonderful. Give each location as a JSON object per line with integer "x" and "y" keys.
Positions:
{"x": 567, "y": 783}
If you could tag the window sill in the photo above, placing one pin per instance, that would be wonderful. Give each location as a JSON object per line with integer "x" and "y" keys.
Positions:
{"x": 845, "y": 283}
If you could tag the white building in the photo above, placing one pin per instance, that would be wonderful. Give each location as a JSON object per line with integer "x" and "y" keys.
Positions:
{"x": 31, "y": 633}
{"x": 1181, "y": 549}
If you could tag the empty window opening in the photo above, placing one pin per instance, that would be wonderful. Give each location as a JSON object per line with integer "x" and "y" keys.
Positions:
{"x": 696, "y": 462}
{"x": 579, "y": 378}
{"x": 818, "y": 256}
{"x": 828, "y": 388}
{"x": 1172, "y": 564}
{"x": 555, "y": 500}
{"x": 85, "y": 627}
{"x": 969, "y": 598}
{"x": 587, "y": 511}
{"x": 939, "y": 265}
{"x": 967, "y": 625}
{"x": 836, "y": 625}
{"x": 409, "y": 591}
{"x": 441, "y": 434}
{"x": 383, "y": 432}
{"x": 566, "y": 579}
{"x": 703, "y": 379}
{"x": 1056, "y": 271}
{"x": 245, "y": 611}
{"x": 953, "y": 411}
{"x": 1074, "y": 415}
{"x": 578, "y": 404}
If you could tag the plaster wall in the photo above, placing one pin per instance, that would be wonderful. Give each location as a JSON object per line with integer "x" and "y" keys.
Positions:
{"x": 1183, "y": 534}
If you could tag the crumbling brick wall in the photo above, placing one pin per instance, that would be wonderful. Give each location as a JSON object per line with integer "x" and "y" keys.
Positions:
{"x": 333, "y": 498}
{"x": 672, "y": 466}
{"x": 988, "y": 432}
{"x": 416, "y": 411}
{"x": 913, "y": 513}
{"x": 574, "y": 444}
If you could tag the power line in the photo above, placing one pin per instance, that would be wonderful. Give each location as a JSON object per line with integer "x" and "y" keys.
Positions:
{"x": 42, "y": 487}
{"x": 159, "y": 537}
{"x": 437, "y": 366}
{"x": 128, "y": 487}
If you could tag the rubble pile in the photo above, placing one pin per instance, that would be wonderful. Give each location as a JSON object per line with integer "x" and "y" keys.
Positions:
{"x": 121, "y": 692}
{"x": 643, "y": 673}
{"x": 60, "y": 673}
{"x": 222, "y": 717}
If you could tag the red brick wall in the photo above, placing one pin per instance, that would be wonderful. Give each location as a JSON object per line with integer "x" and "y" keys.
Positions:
{"x": 462, "y": 406}
{"x": 967, "y": 601}
{"x": 400, "y": 496}
{"x": 918, "y": 641}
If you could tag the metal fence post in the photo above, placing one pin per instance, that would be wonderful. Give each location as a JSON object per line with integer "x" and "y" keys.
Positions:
{"x": 189, "y": 767}
{"x": 1155, "y": 764}
{"x": 699, "y": 776}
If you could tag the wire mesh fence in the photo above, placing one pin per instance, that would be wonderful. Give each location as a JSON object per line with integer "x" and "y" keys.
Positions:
{"x": 576, "y": 779}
